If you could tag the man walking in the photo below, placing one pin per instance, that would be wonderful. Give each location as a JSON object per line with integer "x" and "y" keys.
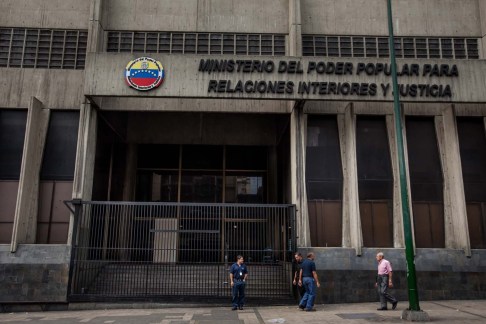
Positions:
{"x": 298, "y": 261}
{"x": 383, "y": 281}
{"x": 238, "y": 275}
{"x": 308, "y": 279}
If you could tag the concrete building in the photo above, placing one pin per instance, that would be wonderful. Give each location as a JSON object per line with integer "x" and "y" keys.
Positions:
{"x": 256, "y": 127}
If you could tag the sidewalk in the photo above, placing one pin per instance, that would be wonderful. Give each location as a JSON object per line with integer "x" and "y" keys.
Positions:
{"x": 439, "y": 311}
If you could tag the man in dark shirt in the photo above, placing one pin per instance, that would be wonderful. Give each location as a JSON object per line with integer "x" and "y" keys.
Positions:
{"x": 238, "y": 275}
{"x": 308, "y": 279}
{"x": 298, "y": 261}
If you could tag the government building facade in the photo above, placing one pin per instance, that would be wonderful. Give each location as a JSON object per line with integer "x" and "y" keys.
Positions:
{"x": 144, "y": 144}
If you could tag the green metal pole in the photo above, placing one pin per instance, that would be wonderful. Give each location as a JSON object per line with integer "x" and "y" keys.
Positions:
{"x": 407, "y": 227}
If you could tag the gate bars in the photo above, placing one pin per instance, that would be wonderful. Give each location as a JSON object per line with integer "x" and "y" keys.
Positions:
{"x": 138, "y": 249}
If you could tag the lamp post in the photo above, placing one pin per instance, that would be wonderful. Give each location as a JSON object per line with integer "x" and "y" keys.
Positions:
{"x": 407, "y": 227}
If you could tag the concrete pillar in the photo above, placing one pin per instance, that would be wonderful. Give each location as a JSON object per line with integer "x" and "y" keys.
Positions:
{"x": 272, "y": 175}
{"x": 130, "y": 173}
{"x": 398, "y": 237}
{"x": 297, "y": 135}
{"x": 295, "y": 32}
{"x": 85, "y": 158}
{"x": 352, "y": 234}
{"x": 482, "y": 41}
{"x": 25, "y": 221}
{"x": 297, "y": 173}
{"x": 96, "y": 32}
{"x": 85, "y": 154}
{"x": 455, "y": 214}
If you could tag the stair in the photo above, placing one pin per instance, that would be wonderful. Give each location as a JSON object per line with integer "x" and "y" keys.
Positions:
{"x": 212, "y": 280}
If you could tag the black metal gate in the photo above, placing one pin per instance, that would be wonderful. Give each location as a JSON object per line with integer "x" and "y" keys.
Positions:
{"x": 149, "y": 250}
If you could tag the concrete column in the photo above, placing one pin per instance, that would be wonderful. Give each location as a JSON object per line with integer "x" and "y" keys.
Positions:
{"x": 96, "y": 31}
{"x": 482, "y": 41}
{"x": 85, "y": 154}
{"x": 297, "y": 173}
{"x": 398, "y": 237}
{"x": 295, "y": 32}
{"x": 130, "y": 173}
{"x": 352, "y": 234}
{"x": 25, "y": 221}
{"x": 272, "y": 175}
{"x": 297, "y": 135}
{"x": 85, "y": 158}
{"x": 455, "y": 214}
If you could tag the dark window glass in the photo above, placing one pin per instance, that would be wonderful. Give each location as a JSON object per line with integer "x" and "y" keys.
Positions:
{"x": 333, "y": 46}
{"x": 324, "y": 181}
{"x": 370, "y": 43}
{"x": 375, "y": 181}
{"x": 308, "y": 45}
{"x": 323, "y": 160}
{"x": 153, "y": 156}
{"x": 472, "y": 141}
{"x": 157, "y": 186}
{"x": 60, "y": 149}
{"x": 202, "y": 157}
{"x": 426, "y": 182}
{"x": 383, "y": 47}
{"x": 246, "y": 158}
{"x": 244, "y": 189}
{"x": 12, "y": 135}
{"x": 375, "y": 178}
{"x": 423, "y": 159}
{"x": 202, "y": 187}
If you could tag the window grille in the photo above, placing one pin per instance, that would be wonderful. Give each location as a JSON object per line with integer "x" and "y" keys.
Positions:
{"x": 405, "y": 47}
{"x": 201, "y": 43}
{"x": 43, "y": 48}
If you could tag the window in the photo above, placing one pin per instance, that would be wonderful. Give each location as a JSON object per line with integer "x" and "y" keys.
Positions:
{"x": 57, "y": 175}
{"x": 426, "y": 182}
{"x": 195, "y": 43}
{"x": 472, "y": 143}
{"x": 43, "y": 48}
{"x": 375, "y": 181}
{"x": 405, "y": 47}
{"x": 324, "y": 180}
{"x": 202, "y": 173}
{"x": 12, "y": 134}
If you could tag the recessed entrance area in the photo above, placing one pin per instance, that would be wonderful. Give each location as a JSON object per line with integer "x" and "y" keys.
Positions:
{"x": 192, "y": 157}
{"x": 176, "y": 197}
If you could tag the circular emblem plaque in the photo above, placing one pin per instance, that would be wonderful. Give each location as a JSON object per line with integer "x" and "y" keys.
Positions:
{"x": 144, "y": 73}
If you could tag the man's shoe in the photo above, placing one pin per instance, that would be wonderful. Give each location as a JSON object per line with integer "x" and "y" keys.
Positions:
{"x": 301, "y": 307}
{"x": 394, "y": 305}
{"x": 234, "y": 308}
{"x": 310, "y": 310}
{"x": 240, "y": 308}
{"x": 382, "y": 309}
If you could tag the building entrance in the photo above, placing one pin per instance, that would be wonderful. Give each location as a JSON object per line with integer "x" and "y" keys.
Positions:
{"x": 170, "y": 216}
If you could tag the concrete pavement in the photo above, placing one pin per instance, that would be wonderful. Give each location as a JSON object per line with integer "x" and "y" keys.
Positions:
{"x": 439, "y": 312}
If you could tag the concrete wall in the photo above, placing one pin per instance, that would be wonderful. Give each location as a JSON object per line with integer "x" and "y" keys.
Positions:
{"x": 183, "y": 80}
{"x": 411, "y": 17}
{"x": 441, "y": 274}
{"x": 63, "y": 14}
{"x": 54, "y": 88}
{"x": 250, "y": 16}
{"x": 34, "y": 273}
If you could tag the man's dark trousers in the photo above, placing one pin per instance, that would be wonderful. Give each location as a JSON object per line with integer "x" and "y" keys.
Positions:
{"x": 383, "y": 291}
{"x": 238, "y": 294}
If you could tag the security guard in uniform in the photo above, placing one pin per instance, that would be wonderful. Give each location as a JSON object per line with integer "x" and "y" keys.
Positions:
{"x": 238, "y": 275}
